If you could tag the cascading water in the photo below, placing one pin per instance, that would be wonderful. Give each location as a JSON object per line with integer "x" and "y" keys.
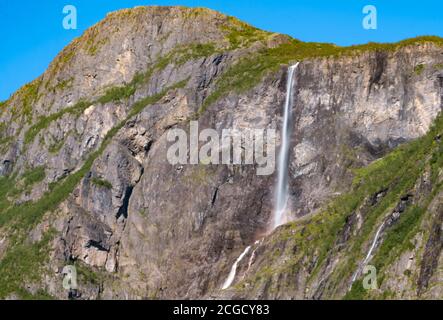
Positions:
{"x": 368, "y": 255}
{"x": 283, "y": 161}
{"x": 251, "y": 259}
{"x": 282, "y": 180}
{"x": 233, "y": 271}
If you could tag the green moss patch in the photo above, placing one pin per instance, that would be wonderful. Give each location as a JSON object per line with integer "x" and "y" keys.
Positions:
{"x": 101, "y": 183}
{"x": 24, "y": 264}
{"x": 418, "y": 70}
{"x": 33, "y": 176}
{"x": 45, "y": 121}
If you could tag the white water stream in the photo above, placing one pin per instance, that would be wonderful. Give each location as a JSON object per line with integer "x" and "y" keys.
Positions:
{"x": 282, "y": 180}
{"x": 283, "y": 160}
{"x": 231, "y": 275}
{"x": 369, "y": 254}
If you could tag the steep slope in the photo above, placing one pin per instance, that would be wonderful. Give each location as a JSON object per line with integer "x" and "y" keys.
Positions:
{"x": 84, "y": 177}
{"x": 391, "y": 220}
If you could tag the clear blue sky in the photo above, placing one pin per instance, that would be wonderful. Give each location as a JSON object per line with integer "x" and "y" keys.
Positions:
{"x": 31, "y": 32}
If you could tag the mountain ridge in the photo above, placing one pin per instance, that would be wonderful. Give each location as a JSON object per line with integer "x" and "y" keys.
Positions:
{"x": 66, "y": 52}
{"x": 82, "y": 149}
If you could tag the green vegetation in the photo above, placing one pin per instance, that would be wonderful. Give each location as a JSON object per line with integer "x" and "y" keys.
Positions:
{"x": 193, "y": 52}
{"x": 62, "y": 85}
{"x": 45, "y": 121}
{"x": 397, "y": 240}
{"x": 62, "y": 59}
{"x": 34, "y": 176}
{"x": 357, "y": 292}
{"x": 6, "y": 185}
{"x": 141, "y": 104}
{"x": 177, "y": 56}
{"x": 181, "y": 55}
{"x": 66, "y": 56}
{"x": 198, "y": 175}
{"x": 28, "y": 95}
{"x": 5, "y": 140}
{"x": 22, "y": 260}
{"x": 101, "y": 183}
{"x": 56, "y": 146}
{"x": 418, "y": 70}
{"x": 396, "y": 173}
{"x": 2, "y": 128}
{"x": 26, "y": 215}
{"x": 91, "y": 44}
{"x": 315, "y": 238}
{"x": 399, "y": 237}
{"x": 246, "y": 73}
{"x": 117, "y": 93}
{"x": 240, "y": 34}
{"x": 10, "y": 187}
{"x": 5, "y": 143}
{"x": 94, "y": 47}
{"x": 23, "y": 264}
{"x": 249, "y": 71}
{"x": 87, "y": 274}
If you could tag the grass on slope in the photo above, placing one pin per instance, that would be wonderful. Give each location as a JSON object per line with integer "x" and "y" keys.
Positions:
{"x": 22, "y": 262}
{"x": 23, "y": 265}
{"x": 178, "y": 56}
{"x": 29, "y": 213}
{"x": 398, "y": 172}
{"x": 101, "y": 183}
{"x": 45, "y": 121}
{"x": 316, "y": 238}
{"x": 249, "y": 71}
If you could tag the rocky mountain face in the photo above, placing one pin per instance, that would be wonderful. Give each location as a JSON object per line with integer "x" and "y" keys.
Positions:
{"x": 85, "y": 181}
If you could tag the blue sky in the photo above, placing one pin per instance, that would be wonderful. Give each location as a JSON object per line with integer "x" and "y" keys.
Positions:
{"x": 32, "y": 33}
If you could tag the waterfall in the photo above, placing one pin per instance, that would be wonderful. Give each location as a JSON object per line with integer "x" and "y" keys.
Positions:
{"x": 368, "y": 255}
{"x": 282, "y": 180}
{"x": 283, "y": 161}
{"x": 231, "y": 275}
{"x": 252, "y": 257}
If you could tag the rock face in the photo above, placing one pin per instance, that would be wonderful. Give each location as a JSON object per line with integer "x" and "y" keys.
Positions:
{"x": 84, "y": 177}
{"x": 354, "y": 110}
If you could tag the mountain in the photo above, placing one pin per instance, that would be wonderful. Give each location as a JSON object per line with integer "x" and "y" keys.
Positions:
{"x": 84, "y": 178}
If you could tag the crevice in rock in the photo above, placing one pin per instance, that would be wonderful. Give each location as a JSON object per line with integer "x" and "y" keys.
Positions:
{"x": 148, "y": 146}
{"x": 6, "y": 168}
{"x": 345, "y": 234}
{"x": 123, "y": 211}
{"x": 378, "y": 68}
{"x": 376, "y": 197}
{"x": 96, "y": 244}
{"x": 214, "y": 196}
{"x": 403, "y": 204}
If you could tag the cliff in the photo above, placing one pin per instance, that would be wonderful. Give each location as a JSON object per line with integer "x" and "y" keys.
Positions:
{"x": 84, "y": 178}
